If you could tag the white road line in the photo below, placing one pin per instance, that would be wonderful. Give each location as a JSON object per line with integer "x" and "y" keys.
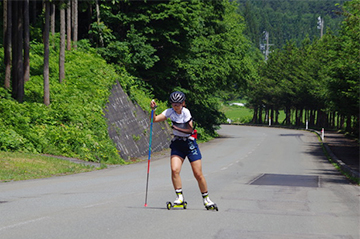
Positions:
{"x": 23, "y": 223}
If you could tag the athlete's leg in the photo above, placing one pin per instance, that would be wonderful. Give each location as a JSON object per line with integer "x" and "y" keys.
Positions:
{"x": 176, "y": 163}
{"x": 197, "y": 171}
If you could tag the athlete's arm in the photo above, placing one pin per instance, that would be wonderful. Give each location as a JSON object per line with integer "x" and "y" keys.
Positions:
{"x": 191, "y": 124}
{"x": 157, "y": 118}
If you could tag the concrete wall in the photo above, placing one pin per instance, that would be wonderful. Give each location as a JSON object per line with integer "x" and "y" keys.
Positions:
{"x": 129, "y": 127}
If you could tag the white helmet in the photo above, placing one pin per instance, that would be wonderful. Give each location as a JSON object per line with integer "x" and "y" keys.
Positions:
{"x": 177, "y": 97}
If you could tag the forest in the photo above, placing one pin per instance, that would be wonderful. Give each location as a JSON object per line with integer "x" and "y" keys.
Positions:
{"x": 59, "y": 60}
{"x": 287, "y": 20}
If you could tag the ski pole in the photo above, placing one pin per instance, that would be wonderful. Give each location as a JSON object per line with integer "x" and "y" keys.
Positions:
{"x": 149, "y": 157}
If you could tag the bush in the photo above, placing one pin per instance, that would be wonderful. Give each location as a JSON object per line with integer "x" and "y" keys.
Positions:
{"x": 74, "y": 124}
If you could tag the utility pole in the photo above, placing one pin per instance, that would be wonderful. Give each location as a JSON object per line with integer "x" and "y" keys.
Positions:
{"x": 265, "y": 48}
{"x": 320, "y": 25}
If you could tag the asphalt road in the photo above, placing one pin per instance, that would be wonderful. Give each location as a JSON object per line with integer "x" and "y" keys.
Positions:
{"x": 267, "y": 182}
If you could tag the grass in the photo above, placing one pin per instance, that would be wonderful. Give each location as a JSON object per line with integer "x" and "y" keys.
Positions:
{"x": 243, "y": 115}
{"x": 23, "y": 166}
{"x": 237, "y": 114}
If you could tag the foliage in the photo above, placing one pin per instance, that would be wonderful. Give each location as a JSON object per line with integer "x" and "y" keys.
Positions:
{"x": 237, "y": 114}
{"x": 195, "y": 46}
{"x": 344, "y": 57}
{"x": 322, "y": 75}
{"x": 287, "y": 20}
{"x": 205, "y": 48}
{"x": 74, "y": 124}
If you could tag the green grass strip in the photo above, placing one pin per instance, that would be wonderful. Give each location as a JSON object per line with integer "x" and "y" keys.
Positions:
{"x": 24, "y": 166}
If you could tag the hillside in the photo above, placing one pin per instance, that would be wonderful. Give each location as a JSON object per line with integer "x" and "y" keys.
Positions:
{"x": 286, "y": 20}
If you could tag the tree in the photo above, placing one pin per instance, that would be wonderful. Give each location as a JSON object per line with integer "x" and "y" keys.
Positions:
{"x": 101, "y": 40}
{"x": 68, "y": 24}
{"x": 7, "y": 41}
{"x": 52, "y": 22}
{"x": 288, "y": 20}
{"x": 62, "y": 42}
{"x": 75, "y": 21}
{"x": 195, "y": 46}
{"x": 343, "y": 72}
{"x": 46, "y": 54}
{"x": 26, "y": 41}
{"x": 17, "y": 51}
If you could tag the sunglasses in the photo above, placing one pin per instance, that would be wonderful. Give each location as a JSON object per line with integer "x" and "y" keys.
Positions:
{"x": 176, "y": 104}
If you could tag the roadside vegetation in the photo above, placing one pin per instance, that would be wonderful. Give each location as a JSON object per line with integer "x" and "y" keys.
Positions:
{"x": 235, "y": 113}
{"x": 155, "y": 47}
{"x": 22, "y": 166}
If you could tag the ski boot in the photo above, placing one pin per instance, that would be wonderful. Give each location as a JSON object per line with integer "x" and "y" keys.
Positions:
{"x": 209, "y": 205}
{"x": 179, "y": 201}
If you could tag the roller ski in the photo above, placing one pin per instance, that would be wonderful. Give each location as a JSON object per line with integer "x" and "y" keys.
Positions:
{"x": 212, "y": 207}
{"x": 182, "y": 205}
{"x": 209, "y": 205}
{"x": 179, "y": 201}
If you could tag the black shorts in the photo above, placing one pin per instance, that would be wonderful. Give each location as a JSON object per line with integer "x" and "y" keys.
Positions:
{"x": 186, "y": 148}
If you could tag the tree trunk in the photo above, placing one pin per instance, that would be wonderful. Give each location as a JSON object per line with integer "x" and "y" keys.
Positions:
{"x": 52, "y": 23}
{"x": 287, "y": 115}
{"x": 356, "y": 124}
{"x": 7, "y": 42}
{"x": 266, "y": 116}
{"x": 332, "y": 119}
{"x": 321, "y": 119}
{"x": 98, "y": 23}
{"x": 46, "y": 54}
{"x": 260, "y": 114}
{"x": 75, "y": 22}
{"x": 68, "y": 22}
{"x": 342, "y": 121}
{"x": 348, "y": 123}
{"x": 17, "y": 53}
{"x": 62, "y": 43}
{"x": 301, "y": 116}
{"x": 272, "y": 115}
{"x": 33, "y": 13}
{"x": 26, "y": 41}
{"x": 312, "y": 118}
{"x": 255, "y": 115}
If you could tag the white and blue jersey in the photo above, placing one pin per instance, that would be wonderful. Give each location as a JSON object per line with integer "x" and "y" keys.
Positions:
{"x": 183, "y": 147}
{"x": 176, "y": 118}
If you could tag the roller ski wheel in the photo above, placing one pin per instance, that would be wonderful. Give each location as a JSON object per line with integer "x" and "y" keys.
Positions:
{"x": 212, "y": 207}
{"x": 169, "y": 205}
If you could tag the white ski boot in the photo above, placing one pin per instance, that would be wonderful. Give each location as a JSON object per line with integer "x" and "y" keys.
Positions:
{"x": 209, "y": 205}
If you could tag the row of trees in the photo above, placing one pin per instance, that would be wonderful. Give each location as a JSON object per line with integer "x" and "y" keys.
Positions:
{"x": 195, "y": 46}
{"x": 17, "y": 21}
{"x": 318, "y": 81}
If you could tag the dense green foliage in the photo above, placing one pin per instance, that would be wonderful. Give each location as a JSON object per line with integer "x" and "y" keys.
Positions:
{"x": 321, "y": 76}
{"x": 287, "y": 20}
{"x": 194, "y": 46}
{"x": 74, "y": 124}
{"x": 205, "y": 48}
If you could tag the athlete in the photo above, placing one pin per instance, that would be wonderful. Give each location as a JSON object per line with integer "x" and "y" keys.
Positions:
{"x": 183, "y": 145}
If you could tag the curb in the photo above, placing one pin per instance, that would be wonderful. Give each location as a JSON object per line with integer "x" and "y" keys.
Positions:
{"x": 336, "y": 160}
{"x": 74, "y": 160}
